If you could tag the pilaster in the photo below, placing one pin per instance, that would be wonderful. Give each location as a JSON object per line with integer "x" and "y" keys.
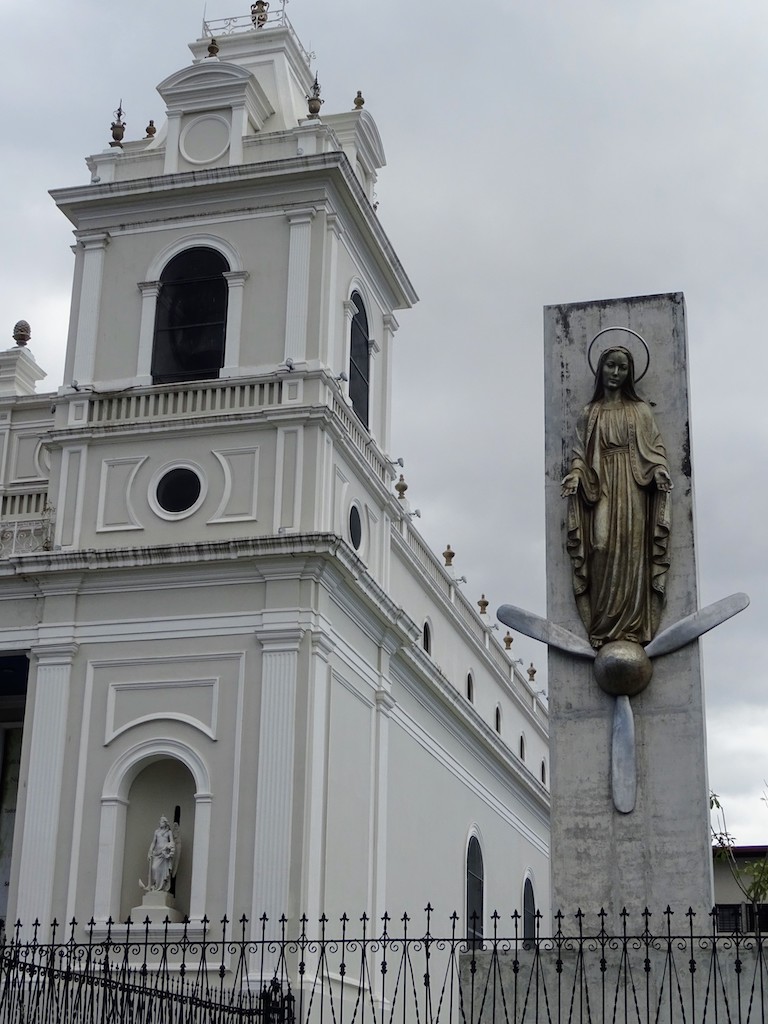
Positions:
{"x": 173, "y": 134}
{"x": 275, "y": 780}
{"x": 390, "y": 327}
{"x": 297, "y": 306}
{"x": 94, "y": 247}
{"x": 149, "y": 293}
{"x": 40, "y": 839}
{"x": 236, "y": 281}
{"x": 316, "y": 777}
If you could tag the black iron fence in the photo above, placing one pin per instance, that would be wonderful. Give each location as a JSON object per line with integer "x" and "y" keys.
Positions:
{"x": 654, "y": 971}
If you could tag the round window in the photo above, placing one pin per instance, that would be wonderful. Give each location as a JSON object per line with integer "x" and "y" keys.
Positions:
{"x": 178, "y": 490}
{"x": 355, "y": 527}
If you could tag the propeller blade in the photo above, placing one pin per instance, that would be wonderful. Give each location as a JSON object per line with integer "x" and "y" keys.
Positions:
{"x": 541, "y": 629}
{"x": 623, "y": 769}
{"x": 692, "y": 626}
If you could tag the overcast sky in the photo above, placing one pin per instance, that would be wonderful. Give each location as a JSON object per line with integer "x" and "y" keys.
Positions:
{"x": 541, "y": 151}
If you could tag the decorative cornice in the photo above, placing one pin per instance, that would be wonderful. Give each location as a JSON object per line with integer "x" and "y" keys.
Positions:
{"x": 334, "y": 164}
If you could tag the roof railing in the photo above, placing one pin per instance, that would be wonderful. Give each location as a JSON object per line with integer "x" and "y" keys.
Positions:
{"x": 215, "y": 28}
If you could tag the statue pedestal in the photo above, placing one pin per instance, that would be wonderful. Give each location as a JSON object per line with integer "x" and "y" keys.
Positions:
{"x": 660, "y": 852}
{"x": 157, "y": 906}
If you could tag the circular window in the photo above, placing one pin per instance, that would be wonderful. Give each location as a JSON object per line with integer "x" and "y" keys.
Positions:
{"x": 355, "y": 527}
{"x": 178, "y": 490}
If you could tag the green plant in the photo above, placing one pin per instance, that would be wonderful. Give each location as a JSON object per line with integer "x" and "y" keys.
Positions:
{"x": 750, "y": 876}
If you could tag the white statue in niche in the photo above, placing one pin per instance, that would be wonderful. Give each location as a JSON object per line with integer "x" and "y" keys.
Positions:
{"x": 163, "y": 856}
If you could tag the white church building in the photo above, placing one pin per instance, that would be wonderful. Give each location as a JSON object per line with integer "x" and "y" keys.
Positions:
{"x": 214, "y": 603}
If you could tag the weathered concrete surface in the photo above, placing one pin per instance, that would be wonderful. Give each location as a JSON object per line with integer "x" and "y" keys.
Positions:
{"x": 660, "y": 853}
{"x": 615, "y": 981}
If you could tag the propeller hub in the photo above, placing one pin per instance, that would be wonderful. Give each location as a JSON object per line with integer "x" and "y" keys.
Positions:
{"x": 622, "y": 668}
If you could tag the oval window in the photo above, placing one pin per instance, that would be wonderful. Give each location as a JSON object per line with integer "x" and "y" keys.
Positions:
{"x": 355, "y": 527}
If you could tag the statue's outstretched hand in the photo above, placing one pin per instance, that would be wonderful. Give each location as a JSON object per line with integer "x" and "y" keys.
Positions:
{"x": 662, "y": 479}
{"x": 569, "y": 485}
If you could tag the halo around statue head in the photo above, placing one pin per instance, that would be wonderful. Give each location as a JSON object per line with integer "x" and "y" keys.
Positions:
{"x": 626, "y": 330}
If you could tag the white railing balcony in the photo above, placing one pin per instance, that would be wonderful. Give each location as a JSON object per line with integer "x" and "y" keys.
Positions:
{"x": 217, "y": 27}
{"x": 25, "y": 536}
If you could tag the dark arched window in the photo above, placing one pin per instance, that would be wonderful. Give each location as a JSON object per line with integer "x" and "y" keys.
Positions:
{"x": 426, "y": 638}
{"x": 522, "y": 747}
{"x": 191, "y": 317}
{"x": 359, "y": 361}
{"x": 529, "y": 911}
{"x": 475, "y": 886}
{"x": 470, "y": 688}
{"x": 544, "y": 773}
{"x": 497, "y": 721}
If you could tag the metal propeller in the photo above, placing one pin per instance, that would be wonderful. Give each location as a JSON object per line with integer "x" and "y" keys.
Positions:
{"x": 623, "y": 669}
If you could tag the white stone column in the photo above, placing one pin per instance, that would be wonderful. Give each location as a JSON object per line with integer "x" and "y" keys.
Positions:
{"x": 89, "y": 309}
{"x": 201, "y": 850}
{"x": 390, "y": 327}
{"x": 374, "y": 403}
{"x": 385, "y": 703}
{"x": 236, "y": 281}
{"x": 297, "y": 307}
{"x": 149, "y": 293}
{"x": 335, "y": 354}
{"x": 172, "y": 136}
{"x": 238, "y": 128}
{"x": 109, "y": 865}
{"x": 40, "y": 843}
{"x": 275, "y": 780}
{"x": 315, "y": 786}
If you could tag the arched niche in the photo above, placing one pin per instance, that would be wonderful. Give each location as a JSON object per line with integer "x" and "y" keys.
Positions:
{"x": 158, "y": 789}
{"x": 113, "y": 832}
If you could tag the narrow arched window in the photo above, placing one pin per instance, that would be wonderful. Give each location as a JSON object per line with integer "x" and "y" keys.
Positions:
{"x": 191, "y": 317}
{"x": 470, "y": 688}
{"x": 475, "y": 886}
{"x": 426, "y": 638}
{"x": 522, "y": 747}
{"x": 497, "y": 722}
{"x": 543, "y": 773}
{"x": 529, "y": 911}
{"x": 359, "y": 361}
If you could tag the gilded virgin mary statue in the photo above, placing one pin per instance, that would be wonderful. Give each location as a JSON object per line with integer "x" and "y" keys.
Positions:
{"x": 618, "y": 509}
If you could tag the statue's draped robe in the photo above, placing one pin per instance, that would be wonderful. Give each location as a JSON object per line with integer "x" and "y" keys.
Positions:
{"x": 618, "y": 522}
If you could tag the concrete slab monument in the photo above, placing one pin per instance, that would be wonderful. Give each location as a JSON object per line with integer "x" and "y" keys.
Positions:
{"x": 630, "y": 799}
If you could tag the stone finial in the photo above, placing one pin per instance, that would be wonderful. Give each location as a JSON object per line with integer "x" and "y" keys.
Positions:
{"x": 448, "y": 555}
{"x": 22, "y": 332}
{"x": 150, "y": 130}
{"x": 401, "y": 487}
{"x": 259, "y": 13}
{"x": 359, "y": 101}
{"x": 213, "y": 48}
{"x": 314, "y": 102}
{"x": 531, "y": 672}
{"x": 118, "y": 127}
{"x": 482, "y": 604}
{"x": 508, "y": 639}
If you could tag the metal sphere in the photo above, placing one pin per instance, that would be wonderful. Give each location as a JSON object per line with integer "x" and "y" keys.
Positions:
{"x": 622, "y": 668}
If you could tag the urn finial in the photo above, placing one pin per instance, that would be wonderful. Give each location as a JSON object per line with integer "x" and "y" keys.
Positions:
{"x": 22, "y": 332}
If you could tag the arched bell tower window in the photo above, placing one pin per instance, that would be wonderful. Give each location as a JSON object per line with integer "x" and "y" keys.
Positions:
{"x": 191, "y": 317}
{"x": 359, "y": 361}
{"x": 475, "y": 887}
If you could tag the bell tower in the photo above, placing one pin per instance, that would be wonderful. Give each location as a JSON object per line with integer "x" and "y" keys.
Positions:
{"x": 231, "y": 273}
